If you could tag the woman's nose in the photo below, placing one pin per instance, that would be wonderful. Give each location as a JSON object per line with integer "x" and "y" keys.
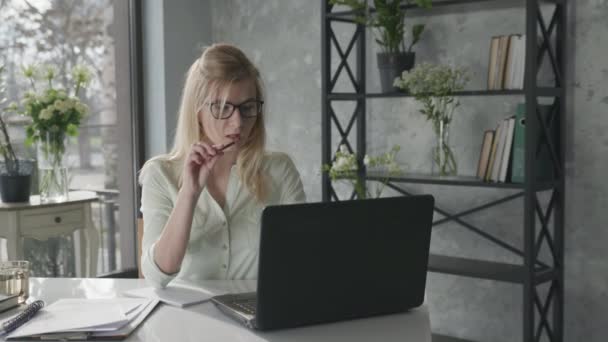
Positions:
{"x": 236, "y": 119}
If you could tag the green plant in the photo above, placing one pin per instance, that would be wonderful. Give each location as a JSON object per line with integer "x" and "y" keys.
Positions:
{"x": 388, "y": 22}
{"x": 55, "y": 113}
{"x": 53, "y": 110}
{"x": 345, "y": 167}
{"x": 6, "y": 148}
{"x": 434, "y": 86}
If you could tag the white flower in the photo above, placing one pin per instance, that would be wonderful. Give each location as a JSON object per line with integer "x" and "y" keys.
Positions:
{"x": 366, "y": 160}
{"x": 51, "y": 72}
{"x": 45, "y": 114}
{"x": 340, "y": 163}
{"x": 343, "y": 148}
{"x": 81, "y": 74}
{"x": 70, "y": 103}
{"x": 82, "y": 108}
{"x": 61, "y": 106}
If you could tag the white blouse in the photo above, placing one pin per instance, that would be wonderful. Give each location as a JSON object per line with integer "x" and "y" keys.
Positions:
{"x": 224, "y": 242}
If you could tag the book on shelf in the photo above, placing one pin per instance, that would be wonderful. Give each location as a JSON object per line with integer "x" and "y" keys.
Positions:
{"x": 506, "y": 156}
{"x": 510, "y": 62}
{"x": 503, "y": 47}
{"x": 492, "y": 62}
{"x": 544, "y": 165}
{"x": 502, "y": 154}
{"x": 515, "y": 78}
{"x": 484, "y": 154}
{"x": 506, "y": 64}
{"x": 496, "y": 152}
{"x": 500, "y": 147}
{"x": 492, "y": 154}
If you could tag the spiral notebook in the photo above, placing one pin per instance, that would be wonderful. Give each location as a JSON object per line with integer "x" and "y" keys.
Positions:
{"x": 108, "y": 318}
{"x": 10, "y": 324}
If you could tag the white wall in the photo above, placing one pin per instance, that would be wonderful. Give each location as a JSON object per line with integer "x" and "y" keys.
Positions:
{"x": 173, "y": 34}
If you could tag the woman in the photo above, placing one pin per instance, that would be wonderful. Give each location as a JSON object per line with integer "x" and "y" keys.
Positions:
{"x": 202, "y": 202}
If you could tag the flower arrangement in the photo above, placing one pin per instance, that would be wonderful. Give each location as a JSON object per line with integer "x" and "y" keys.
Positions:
{"x": 434, "y": 86}
{"x": 54, "y": 110}
{"x": 55, "y": 113}
{"x": 345, "y": 167}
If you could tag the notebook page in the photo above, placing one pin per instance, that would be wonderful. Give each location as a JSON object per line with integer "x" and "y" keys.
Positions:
{"x": 133, "y": 322}
{"x": 61, "y": 317}
{"x": 131, "y": 306}
{"x": 173, "y": 295}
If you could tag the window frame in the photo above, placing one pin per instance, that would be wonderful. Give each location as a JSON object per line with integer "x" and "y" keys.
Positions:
{"x": 129, "y": 99}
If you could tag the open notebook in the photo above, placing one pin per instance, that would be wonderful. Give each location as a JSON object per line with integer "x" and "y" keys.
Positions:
{"x": 111, "y": 318}
{"x": 174, "y": 295}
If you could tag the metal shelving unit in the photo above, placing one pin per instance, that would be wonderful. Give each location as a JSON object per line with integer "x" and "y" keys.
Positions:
{"x": 543, "y": 309}
{"x": 541, "y": 92}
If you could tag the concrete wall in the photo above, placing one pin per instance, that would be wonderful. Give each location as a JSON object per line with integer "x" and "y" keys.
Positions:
{"x": 283, "y": 39}
{"x": 174, "y": 34}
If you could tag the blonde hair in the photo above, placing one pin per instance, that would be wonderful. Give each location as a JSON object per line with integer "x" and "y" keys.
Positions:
{"x": 219, "y": 66}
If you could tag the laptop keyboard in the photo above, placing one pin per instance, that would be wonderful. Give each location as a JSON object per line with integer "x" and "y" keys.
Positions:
{"x": 246, "y": 303}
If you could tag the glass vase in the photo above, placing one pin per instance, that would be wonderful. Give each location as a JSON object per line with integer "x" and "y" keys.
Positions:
{"x": 52, "y": 169}
{"x": 444, "y": 162}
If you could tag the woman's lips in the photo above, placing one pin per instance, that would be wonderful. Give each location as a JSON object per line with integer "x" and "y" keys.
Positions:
{"x": 234, "y": 137}
{"x": 232, "y": 140}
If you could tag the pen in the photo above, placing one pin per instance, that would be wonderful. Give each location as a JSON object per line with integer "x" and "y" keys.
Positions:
{"x": 227, "y": 145}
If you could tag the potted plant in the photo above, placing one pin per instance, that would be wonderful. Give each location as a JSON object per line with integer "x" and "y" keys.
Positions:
{"x": 15, "y": 173}
{"x": 56, "y": 114}
{"x": 388, "y": 22}
{"x": 434, "y": 86}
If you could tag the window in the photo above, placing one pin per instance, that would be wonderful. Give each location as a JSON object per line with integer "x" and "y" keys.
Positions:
{"x": 97, "y": 34}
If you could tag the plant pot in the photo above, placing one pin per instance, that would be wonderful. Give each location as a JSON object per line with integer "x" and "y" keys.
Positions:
{"x": 391, "y": 66}
{"x": 16, "y": 180}
{"x": 15, "y": 188}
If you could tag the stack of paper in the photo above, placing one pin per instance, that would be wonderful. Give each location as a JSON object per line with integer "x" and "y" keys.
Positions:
{"x": 66, "y": 318}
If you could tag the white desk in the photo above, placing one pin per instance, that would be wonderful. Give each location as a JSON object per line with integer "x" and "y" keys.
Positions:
{"x": 204, "y": 322}
{"x": 42, "y": 221}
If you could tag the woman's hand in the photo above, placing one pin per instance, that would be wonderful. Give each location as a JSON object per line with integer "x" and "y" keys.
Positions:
{"x": 198, "y": 165}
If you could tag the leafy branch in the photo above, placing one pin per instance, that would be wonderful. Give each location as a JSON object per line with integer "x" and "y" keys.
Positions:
{"x": 6, "y": 147}
{"x": 388, "y": 21}
{"x": 434, "y": 86}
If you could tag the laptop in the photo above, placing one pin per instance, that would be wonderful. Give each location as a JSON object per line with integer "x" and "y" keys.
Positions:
{"x": 334, "y": 261}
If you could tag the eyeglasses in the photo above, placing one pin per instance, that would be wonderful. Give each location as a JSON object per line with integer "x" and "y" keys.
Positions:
{"x": 248, "y": 109}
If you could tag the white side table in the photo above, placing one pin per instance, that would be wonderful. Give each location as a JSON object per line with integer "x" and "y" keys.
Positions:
{"x": 42, "y": 221}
